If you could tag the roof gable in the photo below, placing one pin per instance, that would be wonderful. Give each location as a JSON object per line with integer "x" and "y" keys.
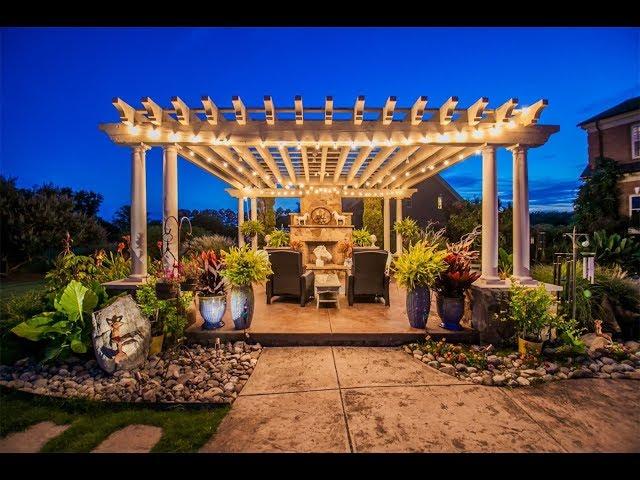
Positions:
{"x": 625, "y": 107}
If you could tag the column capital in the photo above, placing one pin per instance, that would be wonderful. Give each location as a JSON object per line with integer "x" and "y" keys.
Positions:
{"x": 170, "y": 146}
{"x": 518, "y": 149}
{"x": 142, "y": 147}
{"x": 488, "y": 149}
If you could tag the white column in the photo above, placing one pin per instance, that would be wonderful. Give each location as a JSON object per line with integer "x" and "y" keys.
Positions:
{"x": 254, "y": 216}
{"x": 386, "y": 215}
{"x": 398, "y": 218}
{"x": 240, "y": 221}
{"x": 489, "y": 217}
{"x": 170, "y": 204}
{"x": 138, "y": 214}
{"x": 521, "y": 234}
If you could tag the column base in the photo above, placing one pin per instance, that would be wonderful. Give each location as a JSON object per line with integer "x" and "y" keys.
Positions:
{"x": 136, "y": 278}
{"x": 489, "y": 282}
{"x": 527, "y": 281}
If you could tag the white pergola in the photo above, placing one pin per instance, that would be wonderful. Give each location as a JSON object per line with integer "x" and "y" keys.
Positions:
{"x": 355, "y": 151}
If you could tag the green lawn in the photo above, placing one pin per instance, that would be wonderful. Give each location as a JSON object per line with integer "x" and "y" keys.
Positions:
{"x": 184, "y": 429}
{"x": 9, "y": 289}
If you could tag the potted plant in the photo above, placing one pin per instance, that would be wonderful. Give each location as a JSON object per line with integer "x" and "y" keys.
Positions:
{"x": 452, "y": 283}
{"x": 530, "y": 312}
{"x": 361, "y": 238}
{"x": 408, "y": 230}
{"x": 168, "y": 284}
{"x": 252, "y": 228}
{"x": 416, "y": 269}
{"x": 151, "y": 307}
{"x": 243, "y": 267}
{"x": 212, "y": 292}
{"x": 190, "y": 273}
{"x": 278, "y": 239}
{"x": 296, "y": 245}
{"x": 345, "y": 247}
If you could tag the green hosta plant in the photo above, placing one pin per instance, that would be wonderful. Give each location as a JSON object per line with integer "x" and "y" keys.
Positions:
{"x": 361, "y": 238}
{"x": 243, "y": 266}
{"x": 68, "y": 328}
{"x": 278, "y": 238}
{"x": 419, "y": 265}
{"x": 251, "y": 228}
{"x": 409, "y": 230}
{"x": 616, "y": 250}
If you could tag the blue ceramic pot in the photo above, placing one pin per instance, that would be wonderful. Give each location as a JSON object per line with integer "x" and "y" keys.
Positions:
{"x": 212, "y": 310}
{"x": 418, "y": 306}
{"x": 450, "y": 310}
{"x": 242, "y": 302}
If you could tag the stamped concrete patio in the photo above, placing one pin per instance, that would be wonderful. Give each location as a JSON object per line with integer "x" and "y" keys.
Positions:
{"x": 355, "y": 399}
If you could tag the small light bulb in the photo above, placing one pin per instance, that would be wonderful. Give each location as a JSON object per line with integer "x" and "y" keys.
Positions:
{"x": 431, "y": 167}
{"x": 477, "y": 133}
{"x": 446, "y": 162}
{"x": 191, "y": 154}
{"x": 155, "y": 134}
{"x": 423, "y": 169}
{"x": 134, "y": 129}
{"x": 460, "y": 157}
{"x": 255, "y": 174}
{"x": 174, "y": 137}
{"x": 196, "y": 138}
{"x": 225, "y": 164}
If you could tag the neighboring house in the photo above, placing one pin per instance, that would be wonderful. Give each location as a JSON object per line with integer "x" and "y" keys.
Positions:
{"x": 427, "y": 204}
{"x": 615, "y": 133}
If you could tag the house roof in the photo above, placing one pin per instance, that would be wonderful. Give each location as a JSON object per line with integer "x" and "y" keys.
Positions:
{"x": 625, "y": 107}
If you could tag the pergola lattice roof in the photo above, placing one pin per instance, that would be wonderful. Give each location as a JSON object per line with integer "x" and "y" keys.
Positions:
{"x": 362, "y": 150}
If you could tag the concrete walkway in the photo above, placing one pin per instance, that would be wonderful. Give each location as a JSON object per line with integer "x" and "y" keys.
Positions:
{"x": 350, "y": 399}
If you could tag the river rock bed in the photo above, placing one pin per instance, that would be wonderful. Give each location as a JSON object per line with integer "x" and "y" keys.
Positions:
{"x": 190, "y": 374}
{"x": 485, "y": 366}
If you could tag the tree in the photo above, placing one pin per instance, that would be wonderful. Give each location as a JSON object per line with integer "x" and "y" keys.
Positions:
{"x": 122, "y": 219}
{"x": 266, "y": 213}
{"x": 597, "y": 204}
{"x": 372, "y": 217}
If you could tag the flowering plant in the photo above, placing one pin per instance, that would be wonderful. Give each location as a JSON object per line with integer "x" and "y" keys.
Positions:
{"x": 191, "y": 269}
{"x": 458, "y": 277}
{"x": 296, "y": 245}
{"x": 210, "y": 281}
{"x": 174, "y": 275}
{"x": 345, "y": 247}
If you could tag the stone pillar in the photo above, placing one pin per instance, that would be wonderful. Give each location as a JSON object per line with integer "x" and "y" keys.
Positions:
{"x": 386, "y": 214}
{"x": 489, "y": 217}
{"x": 254, "y": 216}
{"x": 240, "y": 221}
{"x": 138, "y": 214}
{"x": 170, "y": 205}
{"x": 398, "y": 218}
{"x": 521, "y": 233}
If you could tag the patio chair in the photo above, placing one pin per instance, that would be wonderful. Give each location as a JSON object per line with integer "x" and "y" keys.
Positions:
{"x": 368, "y": 276}
{"x": 289, "y": 278}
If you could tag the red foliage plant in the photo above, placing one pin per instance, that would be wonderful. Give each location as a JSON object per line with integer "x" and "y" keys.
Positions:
{"x": 458, "y": 277}
{"x": 210, "y": 281}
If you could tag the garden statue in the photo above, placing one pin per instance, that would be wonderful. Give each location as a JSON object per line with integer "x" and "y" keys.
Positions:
{"x": 340, "y": 219}
{"x": 321, "y": 253}
{"x": 121, "y": 335}
{"x": 302, "y": 219}
{"x": 373, "y": 240}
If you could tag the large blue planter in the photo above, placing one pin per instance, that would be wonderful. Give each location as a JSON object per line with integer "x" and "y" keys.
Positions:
{"x": 242, "y": 302}
{"x": 212, "y": 310}
{"x": 450, "y": 310}
{"x": 418, "y": 306}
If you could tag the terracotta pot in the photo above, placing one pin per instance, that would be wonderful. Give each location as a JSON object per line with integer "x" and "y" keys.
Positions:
{"x": 156, "y": 345}
{"x": 242, "y": 303}
{"x": 418, "y": 305}
{"x": 450, "y": 310}
{"x": 212, "y": 310}
{"x": 527, "y": 346}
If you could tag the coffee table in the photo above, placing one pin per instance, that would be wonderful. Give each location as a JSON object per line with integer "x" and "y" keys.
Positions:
{"x": 327, "y": 289}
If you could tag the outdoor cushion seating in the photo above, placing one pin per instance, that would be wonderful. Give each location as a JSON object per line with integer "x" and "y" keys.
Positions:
{"x": 369, "y": 276}
{"x": 289, "y": 277}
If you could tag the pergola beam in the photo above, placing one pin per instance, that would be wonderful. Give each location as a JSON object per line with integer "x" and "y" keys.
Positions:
{"x": 388, "y": 110}
{"x": 269, "y": 110}
{"x": 271, "y": 163}
{"x": 530, "y": 115}
{"x": 401, "y": 156}
{"x": 358, "y": 110}
{"x": 472, "y": 115}
{"x": 344, "y": 153}
{"x": 323, "y": 163}
{"x": 228, "y": 156}
{"x": 126, "y": 112}
{"x": 299, "y": 110}
{"x": 417, "y": 110}
{"x": 183, "y": 113}
{"x": 240, "y": 110}
{"x": 328, "y": 110}
{"x": 503, "y": 113}
{"x": 374, "y": 164}
{"x": 447, "y": 162}
{"x": 154, "y": 111}
{"x": 447, "y": 110}
{"x": 248, "y": 157}
{"x": 423, "y": 156}
{"x": 357, "y": 163}
{"x": 211, "y": 111}
{"x": 288, "y": 164}
{"x": 305, "y": 163}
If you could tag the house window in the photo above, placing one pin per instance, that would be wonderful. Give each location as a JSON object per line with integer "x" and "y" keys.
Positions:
{"x": 439, "y": 202}
{"x": 634, "y": 210}
{"x": 635, "y": 140}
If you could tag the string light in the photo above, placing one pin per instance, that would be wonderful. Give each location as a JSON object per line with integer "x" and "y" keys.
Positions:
{"x": 477, "y": 133}
{"x": 196, "y": 138}
{"x": 155, "y": 134}
{"x": 225, "y": 164}
{"x": 461, "y": 135}
{"x": 174, "y": 137}
{"x": 134, "y": 129}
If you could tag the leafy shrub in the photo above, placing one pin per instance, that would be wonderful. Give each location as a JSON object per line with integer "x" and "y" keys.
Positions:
{"x": 505, "y": 263}
{"x": 243, "y": 266}
{"x": 69, "y": 267}
{"x": 251, "y": 228}
{"x": 616, "y": 250}
{"x": 112, "y": 266}
{"x": 361, "y": 238}
{"x": 217, "y": 243}
{"x": 419, "y": 265}
{"x": 372, "y": 219}
{"x": 278, "y": 238}
{"x": 68, "y": 328}
{"x": 409, "y": 230}
{"x": 529, "y": 310}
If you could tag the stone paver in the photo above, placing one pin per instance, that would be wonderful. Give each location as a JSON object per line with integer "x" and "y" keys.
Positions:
{"x": 292, "y": 369}
{"x": 131, "y": 439}
{"x": 441, "y": 419}
{"x": 587, "y": 415}
{"x": 286, "y": 422}
{"x": 32, "y": 439}
{"x": 366, "y": 367}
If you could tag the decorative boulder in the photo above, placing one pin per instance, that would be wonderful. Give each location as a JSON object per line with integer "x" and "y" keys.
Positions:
{"x": 121, "y": 335}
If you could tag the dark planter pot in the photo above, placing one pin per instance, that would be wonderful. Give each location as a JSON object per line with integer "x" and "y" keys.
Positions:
{"x": 188, "y": 286}
{"x": 242, "y": 302}
{"x": 450, "y": 311}
{"x": 166, "y": 291}
{"x": 418, "y": 306}
{"x": 630, "y": 330}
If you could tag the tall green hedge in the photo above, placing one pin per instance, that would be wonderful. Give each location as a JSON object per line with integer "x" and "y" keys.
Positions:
{"x": 372, "y": 217}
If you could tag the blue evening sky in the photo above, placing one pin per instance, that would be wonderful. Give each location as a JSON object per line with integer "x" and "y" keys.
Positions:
{"x": 57, "y": 86}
